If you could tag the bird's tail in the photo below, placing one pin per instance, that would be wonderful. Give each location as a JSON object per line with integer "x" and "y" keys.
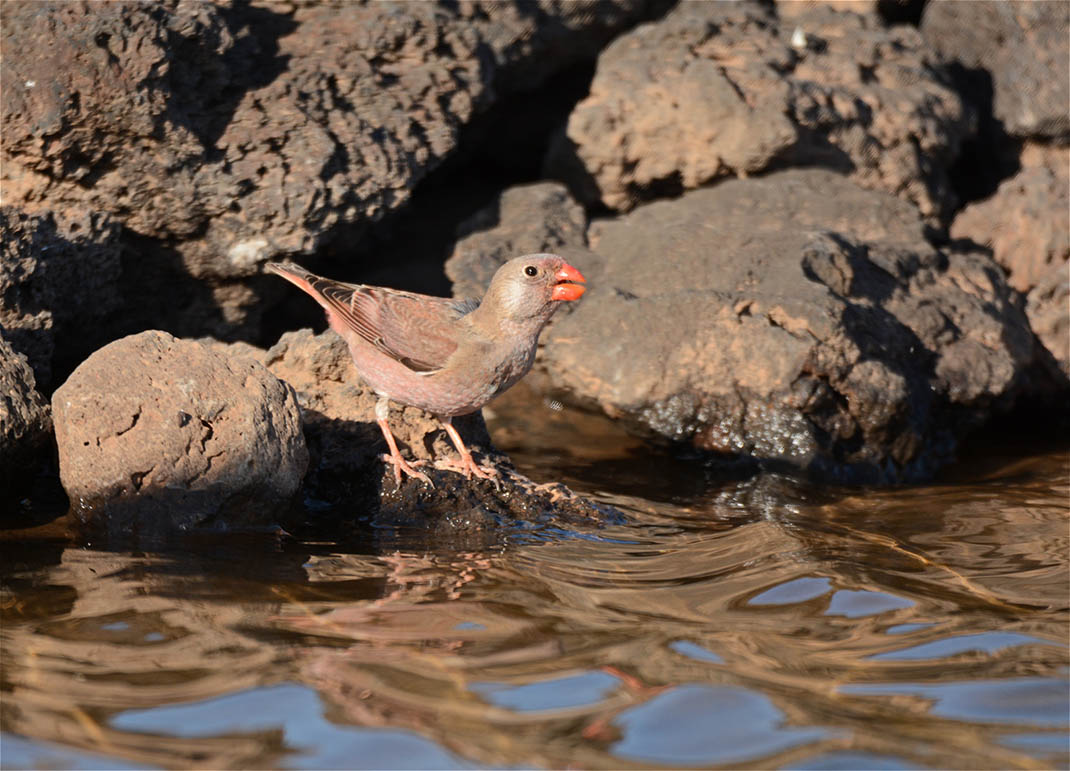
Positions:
{"x": 296, "y": 275}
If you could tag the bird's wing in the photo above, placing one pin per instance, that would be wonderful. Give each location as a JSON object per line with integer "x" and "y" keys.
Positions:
{"x": 418, "y": 330}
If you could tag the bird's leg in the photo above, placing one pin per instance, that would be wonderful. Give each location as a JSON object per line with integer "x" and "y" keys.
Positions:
{"x": 467, "y": 466}
{"x": 382, "y": 411}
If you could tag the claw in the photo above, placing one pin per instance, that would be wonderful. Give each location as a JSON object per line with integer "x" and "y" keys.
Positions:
{"x": 466, "y": 466}
{"x": 402, "y": 466}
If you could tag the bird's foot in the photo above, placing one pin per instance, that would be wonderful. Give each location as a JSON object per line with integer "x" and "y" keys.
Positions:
{"x": 403, "y": 466}
{"x": 467, "y": 466}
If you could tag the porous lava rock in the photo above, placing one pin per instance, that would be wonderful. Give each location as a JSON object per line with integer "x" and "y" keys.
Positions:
{"x": 798, "y": 319}
{"x": 222, "y": 135}
{"x": 730, "y": 89}
{"x": 1026, "y": 224}
{"x": 59, "y": 285}
{"x": 157, "y": 434}
{"x": 345, "y": 445}
{"x": 25, "y": 421}
{"x": 1024, "y": 46}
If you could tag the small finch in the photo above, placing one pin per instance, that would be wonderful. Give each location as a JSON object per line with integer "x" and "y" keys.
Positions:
{"x": 449, "y": 357}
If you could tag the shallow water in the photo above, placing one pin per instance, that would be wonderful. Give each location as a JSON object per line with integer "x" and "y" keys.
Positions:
{"x": 757, "y": 622}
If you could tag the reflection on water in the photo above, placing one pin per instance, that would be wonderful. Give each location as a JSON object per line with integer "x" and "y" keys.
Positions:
{"x": 756, "y": 622}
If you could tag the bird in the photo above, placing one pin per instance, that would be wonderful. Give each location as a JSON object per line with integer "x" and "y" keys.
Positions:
{"x": 448, "y": 357}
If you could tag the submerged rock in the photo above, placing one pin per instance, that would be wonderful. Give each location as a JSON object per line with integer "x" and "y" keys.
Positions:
{"x": 157, "y": 434}
{"x": 730, "y": 89}
{"x": 797, "y": 318}
{"x": 25, "y": 421}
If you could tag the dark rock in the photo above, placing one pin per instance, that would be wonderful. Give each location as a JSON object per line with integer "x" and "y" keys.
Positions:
{"x": 1025, "y": 47}
{"x": 797, "y": 319}
{"x": 224, "y": 135}
{"x": 345, "y": 444}
{"x": 157, "y": 434}
{"x": 59, "y": 279}
{"x": 729, "y": 89}
{"x": 1027, "y": 226}
{"x": 25, "y": 421}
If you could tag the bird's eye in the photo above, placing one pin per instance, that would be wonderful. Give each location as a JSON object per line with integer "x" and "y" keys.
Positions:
{"x": 531, "y": 270}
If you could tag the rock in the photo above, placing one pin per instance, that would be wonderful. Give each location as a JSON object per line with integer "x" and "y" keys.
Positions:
{"x": 224, "y": 135}
{"x": 59, "y": 279}
{"x": 345, "y": 444}
{"x": 157, "y": 434}
{"x": 730, "y": 89}
{"x": 1025, "y": 47}
{"x": 797, "y": 319}
{"x": 25, "y": 421}
{"x": 1025, "y": 226}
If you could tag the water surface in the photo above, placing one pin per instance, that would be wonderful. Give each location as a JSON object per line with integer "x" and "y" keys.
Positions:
{"x": 755, "y": 622}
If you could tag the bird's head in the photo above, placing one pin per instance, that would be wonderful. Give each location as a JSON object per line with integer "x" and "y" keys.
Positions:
{"x": 533, "y": 286}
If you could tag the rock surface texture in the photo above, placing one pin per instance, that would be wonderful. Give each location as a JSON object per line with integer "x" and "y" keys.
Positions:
{"x": 1027, "y": 226}
{"x": 729, "y": 89}
{"x": 25, "y": 421}
{"x": 345, "y": 444}
{"x": 796, "y": 318}
{"x": 58, "y": 286}
{"x": 224, "y": 135}
{"x": 157, "y": 434}
{"x": 1023, "y": 45}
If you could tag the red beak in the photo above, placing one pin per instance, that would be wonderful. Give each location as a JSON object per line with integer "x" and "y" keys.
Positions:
{"x": 568, "y": 284}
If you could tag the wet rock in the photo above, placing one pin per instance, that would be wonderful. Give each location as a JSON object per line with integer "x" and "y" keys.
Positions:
{"x": 224, "y": 135}
{"x": 730, "y": 89}
{"x": 1023, "y": 45}
{"x": 25, "y": 421}
{"x": 345, "y": 444}
{"x": 157, "y": 434}
{"x": 797, "y": 319}
{"x": 59, "y": 276}
{"x": 1025, "y": 226}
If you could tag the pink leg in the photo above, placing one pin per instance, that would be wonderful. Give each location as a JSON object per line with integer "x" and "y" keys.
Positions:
{"x": 467, "y": 466}
{"x": 394, "y": 458}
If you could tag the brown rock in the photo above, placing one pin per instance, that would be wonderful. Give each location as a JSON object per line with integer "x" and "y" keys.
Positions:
{"x": 224, "y": 135}
{"x": 157, "y": 434}
{"x": 795, "y": 318}
{"x": 59, "y": 279}
{"x": 1024, "y": 45}
{"x": 25, "y": 422}
{"x": 1026, "y": 224}
{"x": 729, "y": 89}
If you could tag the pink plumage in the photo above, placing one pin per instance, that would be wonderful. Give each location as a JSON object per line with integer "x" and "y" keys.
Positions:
{"x": 445, "y": 356}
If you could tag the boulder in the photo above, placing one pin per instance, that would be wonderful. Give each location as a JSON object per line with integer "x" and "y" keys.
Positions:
{"x": 25, "y": 421}
{"x": 1027, "y": 227}
{"x": 797, "y": 319}
{"x": 731, "y": 89}
{"x": 59, "y": 286}
{"x": 157, "y": 434}
{"x": 224, "y": 135}
{"x": 345, "y": 444}
{"x": 1025, "y": 48}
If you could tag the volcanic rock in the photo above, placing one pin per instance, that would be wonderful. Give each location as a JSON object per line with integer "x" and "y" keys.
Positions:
{"x": 157, "y": 434}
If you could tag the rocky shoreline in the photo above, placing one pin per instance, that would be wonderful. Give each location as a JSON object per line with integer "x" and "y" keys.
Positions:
{"x": 830, "y": 238}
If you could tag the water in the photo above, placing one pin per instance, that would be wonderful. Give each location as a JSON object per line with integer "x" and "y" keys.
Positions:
{"x": 755, "y": 622}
